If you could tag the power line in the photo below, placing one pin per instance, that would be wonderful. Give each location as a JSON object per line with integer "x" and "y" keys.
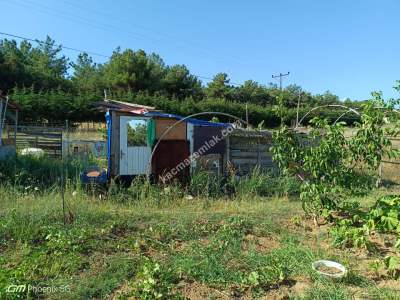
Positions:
{"x": 61, "y": 46}
{"x": 151, "y": 30}
{"x": 85, "y": 51}
{"x": 103, "y": 26}
{"x": 52, "y": 12}
{"x": 191, "y": 44}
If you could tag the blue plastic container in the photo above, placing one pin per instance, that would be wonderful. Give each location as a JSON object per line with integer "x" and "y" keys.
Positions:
{"x": 101, "y": 179}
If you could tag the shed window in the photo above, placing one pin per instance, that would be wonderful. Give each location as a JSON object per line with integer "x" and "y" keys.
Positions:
{"x": 137, "y": 133}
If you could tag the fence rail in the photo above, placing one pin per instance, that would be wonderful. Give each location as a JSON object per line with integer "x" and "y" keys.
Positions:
{"x": 47, "y": 138}
{"x": 88, "y": 127}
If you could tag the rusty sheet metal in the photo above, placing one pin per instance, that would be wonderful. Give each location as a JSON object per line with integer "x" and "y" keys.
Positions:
{"x": 177, "y": 132}
{"x": 203, "y": 135}
{"x": 169, "y": 155}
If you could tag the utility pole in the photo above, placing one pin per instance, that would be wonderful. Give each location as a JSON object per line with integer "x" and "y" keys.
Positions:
{"x": 280, "y": 76}
{"x": 297, "y": 111}
{"x": 105, "y": 95}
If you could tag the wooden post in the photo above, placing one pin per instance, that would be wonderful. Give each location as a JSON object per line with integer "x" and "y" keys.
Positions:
{"x": 67, "y": 137}
{"x": 1, "y": 120}
{"x": 16, "y": 129}
{"x": 228, "y": 152}
{"x": 379, "y": 180}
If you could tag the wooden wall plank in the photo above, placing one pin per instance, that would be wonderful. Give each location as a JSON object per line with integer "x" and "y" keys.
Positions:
{"x": 253, "y": 161}
{"x": 254, "y": 148}
{"x": 248, "y": 152}
{"x": 239, "y": 153}
{"x": 178, "y": 132}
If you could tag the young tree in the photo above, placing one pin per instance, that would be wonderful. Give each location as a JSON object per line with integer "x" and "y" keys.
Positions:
{"x": 327, "y": 98}
{"x": 87, "y": 75}
{"x": 252, "y": 92}
{"x": 219, "y": 87}
{"x": 179, "y": 83}
{"x": 330, "y": 164}
{"x": 47, "y": 66}
{"x": 13, "y": 65}
{"x": 136, "y": 71}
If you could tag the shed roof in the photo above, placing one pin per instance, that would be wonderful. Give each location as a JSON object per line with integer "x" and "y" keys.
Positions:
{"x": 128, "y": 107}
{"x": 149, "y": 111}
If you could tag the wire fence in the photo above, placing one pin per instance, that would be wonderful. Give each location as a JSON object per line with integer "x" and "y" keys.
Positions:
{"x": 89, "y": 140}
{"x": 59, "y": 139}
{"x": 389, "y": 169}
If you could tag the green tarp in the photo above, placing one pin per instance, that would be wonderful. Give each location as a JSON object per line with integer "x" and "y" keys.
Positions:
{"x": 151, "y": 132}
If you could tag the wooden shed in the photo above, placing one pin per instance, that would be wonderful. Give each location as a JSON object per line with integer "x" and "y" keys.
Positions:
{"x": 133, "y": 130}
{"x": 144, "y": 141}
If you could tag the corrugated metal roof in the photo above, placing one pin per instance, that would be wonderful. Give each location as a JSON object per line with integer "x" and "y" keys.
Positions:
{"x": 149, "y": 111}
{"x": 123, "y": 106}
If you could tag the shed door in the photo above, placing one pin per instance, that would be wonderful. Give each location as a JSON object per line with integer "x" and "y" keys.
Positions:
{"x": 135, "y": 151}
{"x": 169, "y": 161}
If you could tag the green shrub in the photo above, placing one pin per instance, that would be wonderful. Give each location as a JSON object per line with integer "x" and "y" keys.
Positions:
{"x": 32, "y": 174}
{"x": 259, "y": 183}
{"x": 151, "y": 282}
{"x": 345, "y": 235}
{"x": 385, "y": 214}
{"x": 205, "y": 184}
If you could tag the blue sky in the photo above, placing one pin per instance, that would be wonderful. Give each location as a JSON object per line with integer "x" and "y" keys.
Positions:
{"x": 348, "y": 47}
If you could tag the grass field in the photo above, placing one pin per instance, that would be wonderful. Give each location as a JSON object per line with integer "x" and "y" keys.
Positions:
{"x": 170, "y": 246}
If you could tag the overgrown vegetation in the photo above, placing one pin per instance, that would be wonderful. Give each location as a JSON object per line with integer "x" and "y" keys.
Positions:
{"x": 216, "y": 237}
{"x": 152, "y": 241}
{"x": 330, "y": 166}
{"x": 35, "y": 174}
{"x": 165, "y": 250}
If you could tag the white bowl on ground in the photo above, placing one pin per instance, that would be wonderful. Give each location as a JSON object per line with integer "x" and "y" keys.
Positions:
{"x": 329, "y": 264}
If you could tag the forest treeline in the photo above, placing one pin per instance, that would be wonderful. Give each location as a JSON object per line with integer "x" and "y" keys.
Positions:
{"x": 49, "y": 86}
